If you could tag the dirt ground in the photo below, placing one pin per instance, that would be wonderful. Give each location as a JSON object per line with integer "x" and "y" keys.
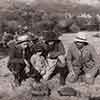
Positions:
{"x": 8, "y": 92}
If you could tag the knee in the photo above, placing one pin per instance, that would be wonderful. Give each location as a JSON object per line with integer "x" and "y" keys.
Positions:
{"x": 89, "y": 79}
{"x": 72, "y": 78}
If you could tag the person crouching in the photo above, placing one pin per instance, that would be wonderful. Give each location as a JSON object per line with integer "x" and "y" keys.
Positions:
{"x": 82, "y": 59}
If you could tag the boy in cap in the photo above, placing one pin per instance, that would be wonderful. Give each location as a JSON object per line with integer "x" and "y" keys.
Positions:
{"x": 82, "y": 58}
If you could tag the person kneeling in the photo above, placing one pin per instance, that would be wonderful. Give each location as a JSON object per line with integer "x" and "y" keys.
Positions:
{"x": 82, "y": 58}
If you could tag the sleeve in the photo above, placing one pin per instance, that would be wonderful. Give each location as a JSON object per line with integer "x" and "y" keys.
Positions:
{"x": 69, "y": 59}
{"x": 13, "y": 59}
{"x": 60, "y": 50}
{"x": 95, "y": 56}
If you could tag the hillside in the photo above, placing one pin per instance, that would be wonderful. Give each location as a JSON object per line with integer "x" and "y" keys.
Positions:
{"x": 73, "y": 6}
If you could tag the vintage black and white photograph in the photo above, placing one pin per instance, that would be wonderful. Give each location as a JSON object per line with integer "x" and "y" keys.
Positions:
{"x": 49, "y": 49}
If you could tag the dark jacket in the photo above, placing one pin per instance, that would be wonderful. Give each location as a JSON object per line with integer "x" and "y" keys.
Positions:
{"x": 56, "y": 49}
{"x": 16, "y": 54}
{"x": 17, "y": 57}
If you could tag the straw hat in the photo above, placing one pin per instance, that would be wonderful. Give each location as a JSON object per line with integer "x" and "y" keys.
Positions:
{"x": 81, "y": 37}
{"x": 23, "y": 38}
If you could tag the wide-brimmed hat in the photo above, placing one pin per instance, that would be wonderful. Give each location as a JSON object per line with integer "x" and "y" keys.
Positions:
{"x": 81, "y": 37}
{"x": 51, "y": 36}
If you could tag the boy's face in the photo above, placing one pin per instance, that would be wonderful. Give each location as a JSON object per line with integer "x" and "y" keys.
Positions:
{"x": 51, "y": 42}
{"x": 39, "y": 53}
{"x": 80, "y": 44}
{"x": 24, "y": 45}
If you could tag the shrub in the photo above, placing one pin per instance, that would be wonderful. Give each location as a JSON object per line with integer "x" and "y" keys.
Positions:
{"x": 74, "y": 28}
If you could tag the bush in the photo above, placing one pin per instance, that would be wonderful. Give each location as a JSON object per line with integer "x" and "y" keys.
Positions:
{"x": 74, "y": 28}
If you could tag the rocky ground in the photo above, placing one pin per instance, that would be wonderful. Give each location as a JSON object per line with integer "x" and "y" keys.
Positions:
{"x": 9, "y": 92}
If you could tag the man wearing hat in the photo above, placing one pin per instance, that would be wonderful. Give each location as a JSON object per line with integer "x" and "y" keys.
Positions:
{"x": 55, "y": 56}
{"x": 20, "y": 54}
{"x": 82, "y": 59}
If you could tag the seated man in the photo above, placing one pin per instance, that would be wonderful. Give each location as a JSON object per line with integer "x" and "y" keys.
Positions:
{"x": 55, "y": 57}
{"x": 82, "y": 59}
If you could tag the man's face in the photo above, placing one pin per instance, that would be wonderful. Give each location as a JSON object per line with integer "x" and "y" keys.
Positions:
{"x": 80, "y": 44}
{"x": 24, "y": 45}
{"x": 39, "y": 53}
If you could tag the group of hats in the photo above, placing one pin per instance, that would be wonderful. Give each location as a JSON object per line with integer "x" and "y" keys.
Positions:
{"x": 80, "y": 37}
{"x": 26, "y": 38}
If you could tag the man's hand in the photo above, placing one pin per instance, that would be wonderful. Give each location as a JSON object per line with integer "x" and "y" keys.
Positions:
{"x": 71, "y": 76}
{"x": 72, "y": 73}
{"x": 89, "y": 79}
{"x": 88, "y": 75}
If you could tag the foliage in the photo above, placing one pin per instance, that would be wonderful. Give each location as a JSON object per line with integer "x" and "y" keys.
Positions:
{"x": 44, "y": 17}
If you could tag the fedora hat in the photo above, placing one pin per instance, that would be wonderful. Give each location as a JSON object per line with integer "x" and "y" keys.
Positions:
{"x": 81, "y": 37}
{"x": 51, "y": 36}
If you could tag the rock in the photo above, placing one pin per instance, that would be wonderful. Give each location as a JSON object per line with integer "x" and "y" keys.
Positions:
{"x": 67, "y": 91}
{"x": 4, "y": 71}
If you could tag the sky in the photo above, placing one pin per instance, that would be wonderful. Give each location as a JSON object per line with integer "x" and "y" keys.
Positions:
{"x": 89, "y": 2}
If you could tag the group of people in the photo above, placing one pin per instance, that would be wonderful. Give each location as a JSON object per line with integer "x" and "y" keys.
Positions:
{"x": 36, "y": 57}
{"x": 42, "y": 57}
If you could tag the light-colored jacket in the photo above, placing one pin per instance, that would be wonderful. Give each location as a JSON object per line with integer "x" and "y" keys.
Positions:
{"x": 86, "y": 58}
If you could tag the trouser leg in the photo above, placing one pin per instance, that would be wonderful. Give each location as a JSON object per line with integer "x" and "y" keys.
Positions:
{"x": 90, "y": 75}
{"x": 35, "y": 74}
{"x": 19, "y": 73}
{"x": 63, "y": 71}
{"x": 63, "y": 74}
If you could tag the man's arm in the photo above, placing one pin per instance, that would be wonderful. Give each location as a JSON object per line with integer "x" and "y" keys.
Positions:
{"x": 69, "y": 60}
{"x": 13, "y": 59}
{"x": 60, "y": 51}
{"x": 95, "y": 56}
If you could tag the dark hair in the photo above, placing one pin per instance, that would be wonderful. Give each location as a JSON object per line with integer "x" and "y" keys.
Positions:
{"x": 19, "y": 42}
{"x": 85, "y": 43}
